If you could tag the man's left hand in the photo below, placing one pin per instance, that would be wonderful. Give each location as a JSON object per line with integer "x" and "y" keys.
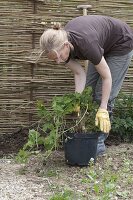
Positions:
{"x": 102, "y": 120}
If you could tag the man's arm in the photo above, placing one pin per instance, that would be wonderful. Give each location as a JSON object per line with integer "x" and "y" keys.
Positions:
{"x": 104, "y": 71}
{"x": 102, "y": 117}
{"x": 79, "y": 75}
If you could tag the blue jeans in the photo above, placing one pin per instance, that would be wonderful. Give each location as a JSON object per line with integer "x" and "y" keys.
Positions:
{"x": 118, "y": 67}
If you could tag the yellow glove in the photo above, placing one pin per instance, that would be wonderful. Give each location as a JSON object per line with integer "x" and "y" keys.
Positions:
{"x": 102, "y": 120}
{"x": 77, "y": 109}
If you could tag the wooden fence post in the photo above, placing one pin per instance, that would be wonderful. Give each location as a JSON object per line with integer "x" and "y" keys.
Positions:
{"x": 32, "y": 65}
{"x": 85, "y": 9}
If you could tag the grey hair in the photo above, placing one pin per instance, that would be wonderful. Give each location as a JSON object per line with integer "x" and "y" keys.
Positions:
{"x": 52, "y": 39}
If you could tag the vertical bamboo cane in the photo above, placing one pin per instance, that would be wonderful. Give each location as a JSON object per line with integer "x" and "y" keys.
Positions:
{"x": 84, "y": 8}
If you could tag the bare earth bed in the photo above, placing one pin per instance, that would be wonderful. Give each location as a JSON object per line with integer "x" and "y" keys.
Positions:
{"x": 110, "y": 178}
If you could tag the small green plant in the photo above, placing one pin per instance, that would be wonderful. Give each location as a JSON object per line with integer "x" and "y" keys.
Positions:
{"x": 22, "y": 156}
{"x": 65, "y": 195}
{"x": 122, "y": 124}
{"x": 34, "y": 140}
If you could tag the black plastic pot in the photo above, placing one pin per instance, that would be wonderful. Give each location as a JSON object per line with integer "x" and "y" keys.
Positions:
{"x": 80, "y": 148}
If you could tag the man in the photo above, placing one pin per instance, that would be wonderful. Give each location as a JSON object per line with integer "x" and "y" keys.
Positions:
{"x": 108, "y": 44}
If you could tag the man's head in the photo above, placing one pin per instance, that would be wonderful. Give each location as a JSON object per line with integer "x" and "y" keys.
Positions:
{"x": 54, "y": 42}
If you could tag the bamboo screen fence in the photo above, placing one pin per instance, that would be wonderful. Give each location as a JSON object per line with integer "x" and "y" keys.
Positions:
{"x": 21, "y": 81}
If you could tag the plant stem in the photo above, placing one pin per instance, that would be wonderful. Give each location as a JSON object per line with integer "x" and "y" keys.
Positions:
{"x": 78, "y": 121}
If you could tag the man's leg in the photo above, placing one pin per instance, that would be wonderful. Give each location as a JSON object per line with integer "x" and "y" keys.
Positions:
{"x": 91, "y": 80}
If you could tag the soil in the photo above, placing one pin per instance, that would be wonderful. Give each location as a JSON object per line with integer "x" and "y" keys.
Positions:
{"x": 11, "y": 143}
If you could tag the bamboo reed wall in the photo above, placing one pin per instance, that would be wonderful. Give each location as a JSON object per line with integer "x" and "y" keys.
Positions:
{"x": 22, "y": 82}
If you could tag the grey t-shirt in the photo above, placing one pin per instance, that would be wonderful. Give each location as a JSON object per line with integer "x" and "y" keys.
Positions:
{"x": 94, "y": 36}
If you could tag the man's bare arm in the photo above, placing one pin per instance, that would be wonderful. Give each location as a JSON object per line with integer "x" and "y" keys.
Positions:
{"x": 79, "y": 75}
{"x": 104, "y": 71}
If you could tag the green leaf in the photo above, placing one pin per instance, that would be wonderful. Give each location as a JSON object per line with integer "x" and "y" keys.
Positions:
{"x": 22, "y": 156}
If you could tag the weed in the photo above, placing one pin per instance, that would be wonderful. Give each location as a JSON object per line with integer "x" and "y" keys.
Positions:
{"x": 22, "y": 156}
{"x": 65, "y": 195}
{"x": 122, "y": 124}
{"x": 34, "y": 140}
